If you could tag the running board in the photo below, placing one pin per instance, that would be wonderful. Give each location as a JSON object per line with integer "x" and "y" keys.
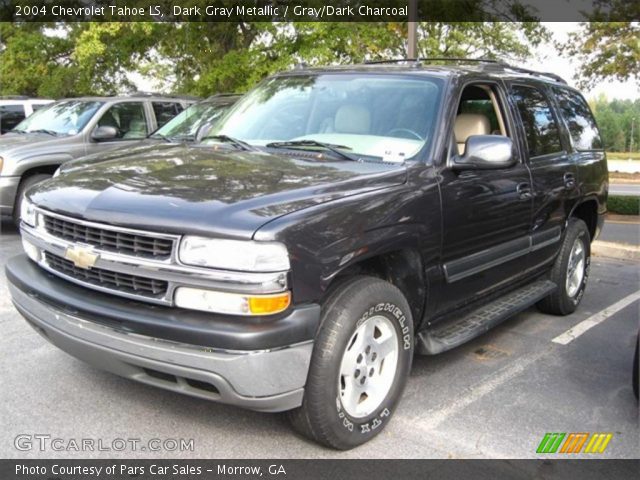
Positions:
{"x": 441, "y": 338}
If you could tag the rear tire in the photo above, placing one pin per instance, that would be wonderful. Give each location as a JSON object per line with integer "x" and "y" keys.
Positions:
{"x": 360, "y": 364}
{"x": 570, "y": 271}
{"x": 25, "y": 184}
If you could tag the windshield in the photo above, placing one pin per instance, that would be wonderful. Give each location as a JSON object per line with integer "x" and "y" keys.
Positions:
{"x": 186, "y": 124}
{"x": 386, "y": 116}
{"x": 68, "y": 117}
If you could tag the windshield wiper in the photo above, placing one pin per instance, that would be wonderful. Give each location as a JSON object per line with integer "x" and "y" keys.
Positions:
{"x": 242, "y": 145}
{"x": 304, "y": 144}
{"x": 44, "y": 130}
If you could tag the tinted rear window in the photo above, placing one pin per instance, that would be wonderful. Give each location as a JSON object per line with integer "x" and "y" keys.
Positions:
{"x": 580, "y": 122}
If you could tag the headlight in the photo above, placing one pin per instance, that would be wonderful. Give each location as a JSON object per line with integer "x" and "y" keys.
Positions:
{"x": 243, "y": 255}
{"x": 28, "y": 212}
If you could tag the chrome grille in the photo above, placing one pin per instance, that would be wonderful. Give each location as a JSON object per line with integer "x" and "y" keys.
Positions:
{"x": 109, "y": 240}
{"x": 123, "y": 282}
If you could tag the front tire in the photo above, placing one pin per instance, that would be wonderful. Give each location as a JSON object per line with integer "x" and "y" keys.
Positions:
{"x": 570, "y": 271}
{"x": 360, "y": 364}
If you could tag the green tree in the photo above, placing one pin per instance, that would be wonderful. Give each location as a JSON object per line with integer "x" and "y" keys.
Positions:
{"x": 205, "y": 58}
{"x": 614, "y": 118}
{"x": 607, "y": 49}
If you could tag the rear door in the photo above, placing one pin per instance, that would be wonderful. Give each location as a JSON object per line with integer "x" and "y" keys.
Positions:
{"x": 553, "y": 170}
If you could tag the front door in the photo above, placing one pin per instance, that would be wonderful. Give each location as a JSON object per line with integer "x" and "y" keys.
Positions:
{"x": 486, "y": 213}
{"x": 130, "y": 121}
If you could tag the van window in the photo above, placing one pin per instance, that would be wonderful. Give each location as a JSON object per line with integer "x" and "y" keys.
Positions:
{"x": 580, "y": 122}
{"x": 10, "y": 116}
{"x": 540, "y": 126}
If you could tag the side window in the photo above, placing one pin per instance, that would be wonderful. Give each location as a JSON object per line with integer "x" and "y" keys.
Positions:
{"x": 479, "y": 113}
{"x": 165, "y": 111}
{"x": 10, "y": 116}
{"x": 128, "y": 119}
{"x": 540, "y": 127}
{"x": 580, "y": 122}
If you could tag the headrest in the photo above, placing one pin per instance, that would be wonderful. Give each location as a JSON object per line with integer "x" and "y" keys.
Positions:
{"x": 352, "y": 119}
{"x": 468, "y": 124}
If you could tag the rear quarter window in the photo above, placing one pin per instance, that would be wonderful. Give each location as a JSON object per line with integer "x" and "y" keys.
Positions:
{"x": 579, "y": 120}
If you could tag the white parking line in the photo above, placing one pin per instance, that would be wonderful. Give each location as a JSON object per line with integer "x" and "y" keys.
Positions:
{"x": 595, "y": 319}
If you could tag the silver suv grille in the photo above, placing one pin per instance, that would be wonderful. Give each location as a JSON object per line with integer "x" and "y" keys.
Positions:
{"x": 110, "y": 240}
{"x": 123, "y": 282}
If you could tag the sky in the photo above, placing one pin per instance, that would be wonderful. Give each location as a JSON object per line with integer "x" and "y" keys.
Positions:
{"x": 547, "y": 59}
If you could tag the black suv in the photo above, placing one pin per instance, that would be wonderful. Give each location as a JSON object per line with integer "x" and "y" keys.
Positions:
{"x": 332, "y": 223}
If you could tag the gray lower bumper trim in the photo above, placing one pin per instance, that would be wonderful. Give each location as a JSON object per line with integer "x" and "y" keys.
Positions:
{"x": 269, "y": 380}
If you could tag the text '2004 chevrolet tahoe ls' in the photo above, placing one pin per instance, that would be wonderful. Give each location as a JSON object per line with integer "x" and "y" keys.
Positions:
{"x": 331, "y": 224}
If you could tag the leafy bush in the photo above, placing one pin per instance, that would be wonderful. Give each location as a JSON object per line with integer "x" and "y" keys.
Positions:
{"x": 624, "y": 204}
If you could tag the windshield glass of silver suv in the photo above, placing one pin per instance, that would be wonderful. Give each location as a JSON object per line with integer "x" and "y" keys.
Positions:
{"x": 388, "y": 117}
{"x": 61, "y": 118}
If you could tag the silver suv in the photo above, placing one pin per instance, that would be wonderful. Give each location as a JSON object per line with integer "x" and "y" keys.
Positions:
{"x": 72, "y": 128}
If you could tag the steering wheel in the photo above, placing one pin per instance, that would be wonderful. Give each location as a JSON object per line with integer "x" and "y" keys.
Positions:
{"x": 404, "y": 130}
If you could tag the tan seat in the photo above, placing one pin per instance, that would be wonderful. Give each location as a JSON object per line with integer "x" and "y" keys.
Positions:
{"x": 468, "y": 124}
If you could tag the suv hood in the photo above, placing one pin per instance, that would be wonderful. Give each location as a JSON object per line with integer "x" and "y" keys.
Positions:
{"x": 21, "y": 145}
{"x": 204, "y": 190}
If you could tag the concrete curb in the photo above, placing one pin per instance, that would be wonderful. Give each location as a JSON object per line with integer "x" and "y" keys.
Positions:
{"x": 621, "y": 251}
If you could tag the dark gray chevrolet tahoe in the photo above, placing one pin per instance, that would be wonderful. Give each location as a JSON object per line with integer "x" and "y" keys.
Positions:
{"x": 333, "y": 223}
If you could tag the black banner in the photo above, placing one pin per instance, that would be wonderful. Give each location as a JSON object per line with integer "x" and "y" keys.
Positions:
{"x": 317, "y": 10}
{"x": 318, "y": 469}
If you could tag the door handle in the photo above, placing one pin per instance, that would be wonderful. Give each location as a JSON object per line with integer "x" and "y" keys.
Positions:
{"x": 524, "y": 190}
{"x": 569, "y": 180}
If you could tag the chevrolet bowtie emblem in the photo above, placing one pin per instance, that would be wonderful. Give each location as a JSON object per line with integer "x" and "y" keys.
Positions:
{"x": 82, "y": 257}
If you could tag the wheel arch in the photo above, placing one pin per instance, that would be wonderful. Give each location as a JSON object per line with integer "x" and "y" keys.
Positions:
{"x": 403, "y": 268}
{"x": 587, "y": 211}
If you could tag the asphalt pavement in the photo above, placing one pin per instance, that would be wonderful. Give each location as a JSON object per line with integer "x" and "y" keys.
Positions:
{"x": 494, "y": 397}
{"x": 621, "y": 231}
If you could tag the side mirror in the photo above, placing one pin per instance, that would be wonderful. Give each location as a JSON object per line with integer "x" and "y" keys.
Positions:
{"x": 485, "y": 152}
{"x": 202, "y": 131}
{"x": 100, "y": 134}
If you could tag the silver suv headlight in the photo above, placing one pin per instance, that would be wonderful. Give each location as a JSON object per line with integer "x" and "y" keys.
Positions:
{"x": 28, "y": 212}
{"x": 241, "y": 255}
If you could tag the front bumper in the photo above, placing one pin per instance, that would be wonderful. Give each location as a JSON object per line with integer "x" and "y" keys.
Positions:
{"x": 266, "y": 379}
{"x": 8, "y": 192}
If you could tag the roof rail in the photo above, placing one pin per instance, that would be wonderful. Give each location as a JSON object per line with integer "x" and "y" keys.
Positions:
{"x": 486, "y": 63}
{"x": 506, "y": 66}
{"x": 433, "y": 59}
{"x": 155, "y": 94}
{"x": 14, "y": 97}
